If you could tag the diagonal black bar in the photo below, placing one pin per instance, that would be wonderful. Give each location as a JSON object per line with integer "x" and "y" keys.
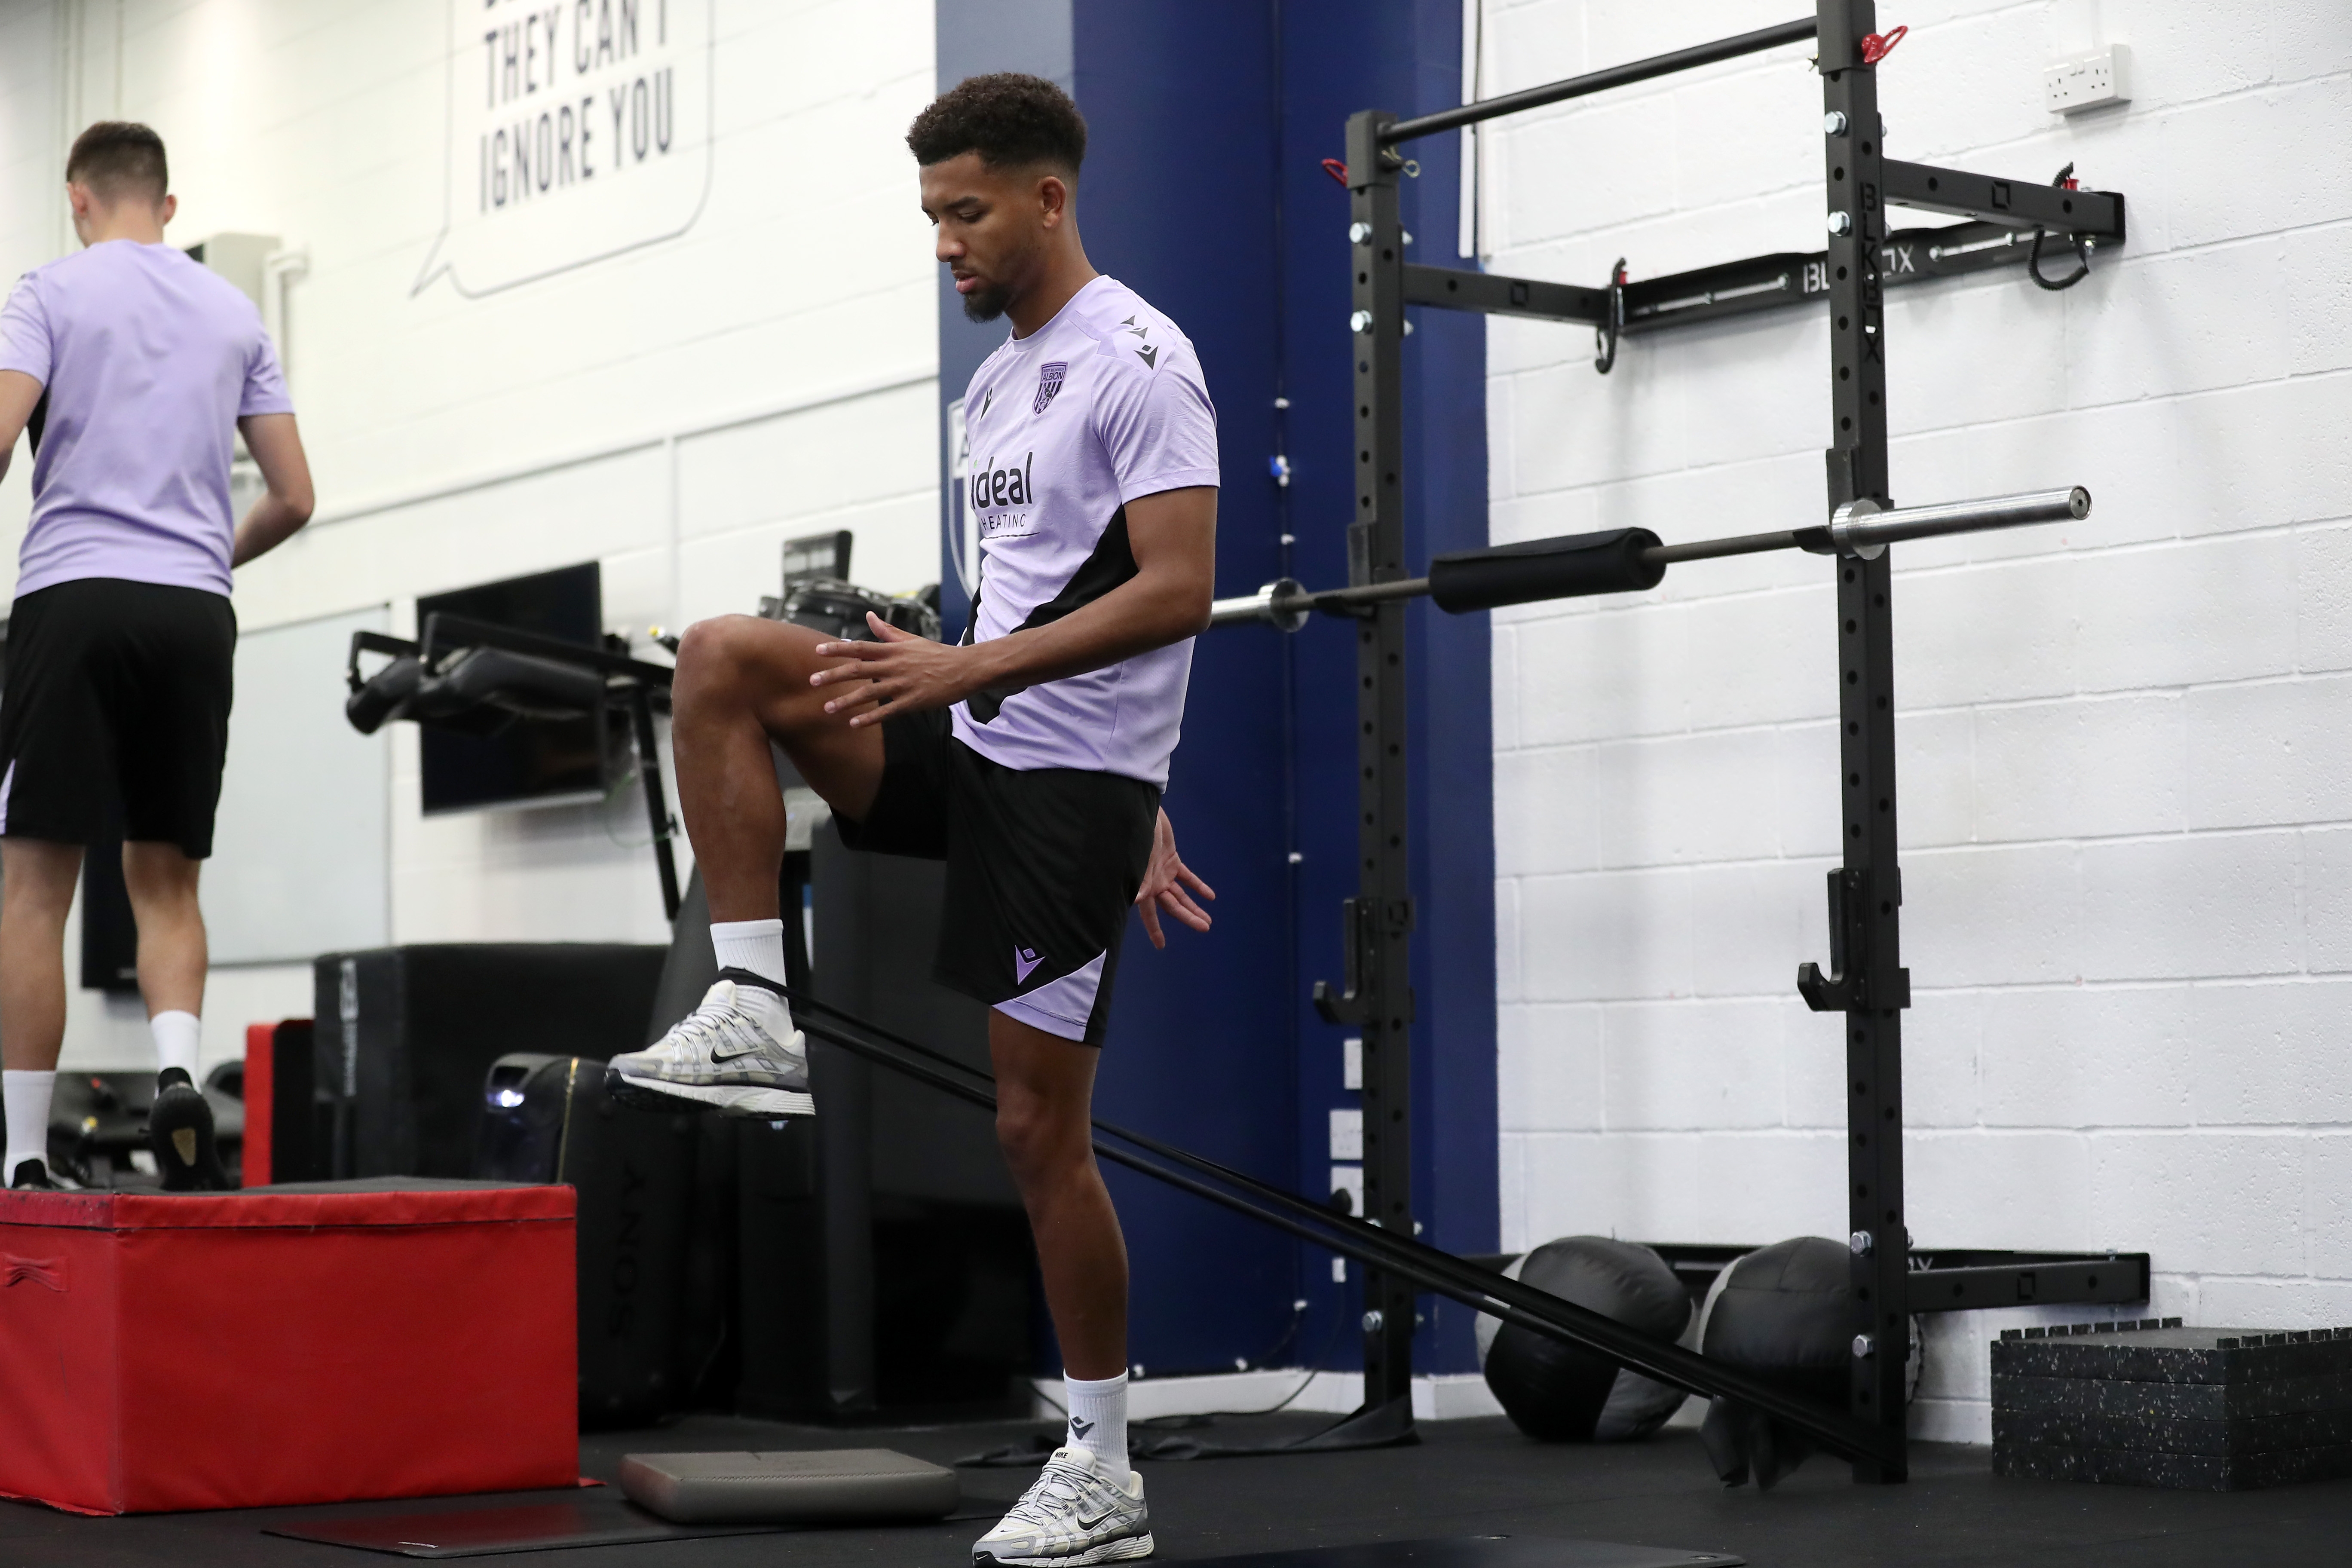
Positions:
{"x": 1600, "y": 80}
{"x": 1442, "y": 1272}
{"x": 2012, "y": 204}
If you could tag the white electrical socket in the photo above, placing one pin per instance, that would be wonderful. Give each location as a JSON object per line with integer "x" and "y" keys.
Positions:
{"x": 1349, "y": 1179}
{"x": 2092, "y": 81}
{"x": 1347, "y": 1134}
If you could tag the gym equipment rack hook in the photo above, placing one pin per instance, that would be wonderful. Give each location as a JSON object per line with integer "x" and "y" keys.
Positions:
{"x": 1604, "y": 336}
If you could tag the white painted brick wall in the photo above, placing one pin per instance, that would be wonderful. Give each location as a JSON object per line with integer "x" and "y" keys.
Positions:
{"x": 2126, "y": 744}
{"x": 459, "y": 440}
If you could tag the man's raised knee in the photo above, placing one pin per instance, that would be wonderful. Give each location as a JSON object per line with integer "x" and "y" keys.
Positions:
{"x": 745, "y": 653}
{"x": 713, "y": 652}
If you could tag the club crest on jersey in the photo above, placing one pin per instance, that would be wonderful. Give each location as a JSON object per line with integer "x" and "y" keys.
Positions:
{"x": 1049, "y": 381}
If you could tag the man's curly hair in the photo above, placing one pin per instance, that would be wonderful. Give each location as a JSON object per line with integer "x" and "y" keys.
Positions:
{"x": 1009, "y": 119}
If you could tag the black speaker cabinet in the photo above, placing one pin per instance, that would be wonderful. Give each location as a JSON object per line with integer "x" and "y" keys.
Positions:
{"x": 885, "y": 1265}
{"x": 405, "y": 1036}
{"x": 547, "y": 1119}
{"x": 301, "y": 1119}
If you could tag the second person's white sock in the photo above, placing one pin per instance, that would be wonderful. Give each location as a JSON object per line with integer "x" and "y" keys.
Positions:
{"x": 178, "y": 1036}
{"x": 27, "y": 1095}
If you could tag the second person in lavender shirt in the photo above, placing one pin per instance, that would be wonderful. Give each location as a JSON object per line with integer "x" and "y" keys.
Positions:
{"x": 134, "y": 369}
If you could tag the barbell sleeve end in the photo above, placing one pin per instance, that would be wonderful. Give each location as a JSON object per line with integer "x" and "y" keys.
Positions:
{"x": 1278, "y": 604}
{"x": 1863, "y": 529}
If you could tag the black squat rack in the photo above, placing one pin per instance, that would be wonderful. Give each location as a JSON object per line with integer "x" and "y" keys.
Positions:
{"x": 2010, "y": 221}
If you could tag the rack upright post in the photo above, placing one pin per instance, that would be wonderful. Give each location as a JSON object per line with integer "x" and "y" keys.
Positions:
{"x": 1377, "y": 923}
{"x": 1869, "y": 985}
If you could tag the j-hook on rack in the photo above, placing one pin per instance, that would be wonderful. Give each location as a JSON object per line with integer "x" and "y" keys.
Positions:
{"x": 2009, "y": 221}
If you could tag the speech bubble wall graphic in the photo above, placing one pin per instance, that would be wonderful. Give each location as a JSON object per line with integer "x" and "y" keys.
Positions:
{"x": 577, "y": 131}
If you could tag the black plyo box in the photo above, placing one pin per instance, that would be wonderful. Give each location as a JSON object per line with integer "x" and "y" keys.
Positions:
{"x": 2202, "y": 1409}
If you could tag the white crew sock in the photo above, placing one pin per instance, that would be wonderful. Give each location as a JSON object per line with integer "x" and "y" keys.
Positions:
{"x": 1099, "y": 1420}
{"x": 27, "y": 1095}
{"x": 177, "y": 1036}
{"x": 755, "y": 946}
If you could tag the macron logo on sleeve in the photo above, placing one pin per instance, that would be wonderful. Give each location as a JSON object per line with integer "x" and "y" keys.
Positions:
{"x": 1025, "y": 960}
{"x": 1150, "y": 353}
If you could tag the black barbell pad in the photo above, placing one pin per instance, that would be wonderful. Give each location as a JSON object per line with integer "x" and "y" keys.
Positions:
{"x": 379, "y": 696}
{"x": 519, "y": 682}
{"x": 1570, "y": 566}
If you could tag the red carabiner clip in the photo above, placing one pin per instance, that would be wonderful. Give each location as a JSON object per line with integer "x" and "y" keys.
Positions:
{"x": 1876, "y": 46}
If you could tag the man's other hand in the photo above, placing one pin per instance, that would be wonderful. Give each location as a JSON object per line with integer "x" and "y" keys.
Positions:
{"x": 900, "y": 673}
{"x": 1165, "y": 881}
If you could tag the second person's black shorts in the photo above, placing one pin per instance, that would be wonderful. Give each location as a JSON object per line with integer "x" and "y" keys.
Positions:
{"x": 117, "y": 694}
{"x": 1042, "y": 866}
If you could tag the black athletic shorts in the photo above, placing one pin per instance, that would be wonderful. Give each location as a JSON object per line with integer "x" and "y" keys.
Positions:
{"x": 117, "y": 695}
{"x": 1042, "y": 866}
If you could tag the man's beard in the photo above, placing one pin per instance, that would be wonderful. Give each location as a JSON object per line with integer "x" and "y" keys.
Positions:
{"x": 987, "y": 303}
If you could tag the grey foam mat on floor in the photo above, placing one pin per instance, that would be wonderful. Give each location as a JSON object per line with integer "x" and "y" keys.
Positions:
{"x": 488, "y": 1531}
{"x": 789, "y": 1487}
{"x": 1483, "y": 1551}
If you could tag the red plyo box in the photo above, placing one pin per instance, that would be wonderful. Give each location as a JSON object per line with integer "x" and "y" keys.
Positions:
{"x": 308, "y": 1343}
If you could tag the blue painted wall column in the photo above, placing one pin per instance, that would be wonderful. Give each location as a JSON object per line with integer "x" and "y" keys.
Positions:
{"x": 1404, "y": 56}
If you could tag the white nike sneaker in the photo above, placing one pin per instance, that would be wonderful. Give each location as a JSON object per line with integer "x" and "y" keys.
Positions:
{"x": 1074, "y": 1514}
{"x": 737, "y": 1052}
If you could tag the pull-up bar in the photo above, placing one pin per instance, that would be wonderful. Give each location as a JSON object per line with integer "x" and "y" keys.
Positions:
{"x": 1629, "y": 560}
{"x": 1600, "y": 80}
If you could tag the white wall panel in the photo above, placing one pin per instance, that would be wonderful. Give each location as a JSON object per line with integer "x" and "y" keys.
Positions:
{"x": 2127, "y": 799}
{"x": 673, "y": 412}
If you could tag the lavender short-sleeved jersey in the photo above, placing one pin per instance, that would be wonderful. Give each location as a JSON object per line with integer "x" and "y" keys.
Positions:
{"x": 148, "y": 360}
{"x": 1102, "y": 405}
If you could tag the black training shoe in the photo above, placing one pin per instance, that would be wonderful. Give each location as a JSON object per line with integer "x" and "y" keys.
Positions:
{"x": 34, "y": 1175}
{"x": 180, "y": 1130}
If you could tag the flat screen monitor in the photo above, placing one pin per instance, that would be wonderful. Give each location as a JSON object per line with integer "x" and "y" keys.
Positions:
{"x": 526, "y": 762}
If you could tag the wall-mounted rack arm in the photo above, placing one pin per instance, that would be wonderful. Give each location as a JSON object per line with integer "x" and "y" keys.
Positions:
{"x": 1492, "y": 294}
{"x": 1972, "y": 1281}
{"x": 2012, "y": 204}
{"x": 1782, "y": 279}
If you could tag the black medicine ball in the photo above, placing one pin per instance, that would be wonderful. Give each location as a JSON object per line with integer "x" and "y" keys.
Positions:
{"x": 1785, "y": 1314}
{"x": 1560, "y": 1393}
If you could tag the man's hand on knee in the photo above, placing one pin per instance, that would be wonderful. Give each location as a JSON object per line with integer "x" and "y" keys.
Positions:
{"x": 901, "y": 673}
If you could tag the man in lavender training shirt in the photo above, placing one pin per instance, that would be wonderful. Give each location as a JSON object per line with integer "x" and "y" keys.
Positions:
{"x": 135, "y": 368}
{"x": 1031, "y": 758}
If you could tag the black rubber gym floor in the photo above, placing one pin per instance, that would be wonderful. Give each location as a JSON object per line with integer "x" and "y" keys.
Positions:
{"x": 1465, "y": 1479}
